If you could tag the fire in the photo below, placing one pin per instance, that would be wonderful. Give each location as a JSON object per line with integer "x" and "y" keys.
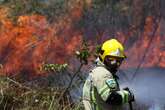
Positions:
{"x": 24, "y": 46}
{"x": 31, "y": 41}
{"x": 154, "y": 50}
{"x": 4, "y": 12}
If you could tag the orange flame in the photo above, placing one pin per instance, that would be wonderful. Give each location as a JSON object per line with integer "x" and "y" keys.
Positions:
{"x": 155, "y": 54}
{"x": 32, "y": 41}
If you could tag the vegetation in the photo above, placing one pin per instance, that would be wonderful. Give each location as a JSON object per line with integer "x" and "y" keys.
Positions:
{"x": 45, "y": 92}
{"x": 16, "y": 96}
{"x": 53, "y": 92}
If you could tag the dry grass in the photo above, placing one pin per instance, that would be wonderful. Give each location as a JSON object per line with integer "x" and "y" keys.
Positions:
{"x": 16, "y": 96}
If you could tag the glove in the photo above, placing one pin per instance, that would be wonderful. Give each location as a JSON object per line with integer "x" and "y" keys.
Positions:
{"x": 131, "y": 96}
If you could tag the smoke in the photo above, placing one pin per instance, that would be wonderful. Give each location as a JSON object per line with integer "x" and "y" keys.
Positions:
{"x": 147, "y": 86}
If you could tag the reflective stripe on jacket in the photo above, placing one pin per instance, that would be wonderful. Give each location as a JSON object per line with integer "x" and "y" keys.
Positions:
{"x": 98, "y": 87}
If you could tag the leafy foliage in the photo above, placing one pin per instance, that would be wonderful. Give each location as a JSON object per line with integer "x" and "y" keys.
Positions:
{"x": 111, "y": 15}
{"x": 83, "y": 54}
{"x": 54, "y": 67}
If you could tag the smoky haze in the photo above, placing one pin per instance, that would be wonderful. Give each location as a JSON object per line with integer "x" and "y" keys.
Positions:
{"x": 147, "y": 86}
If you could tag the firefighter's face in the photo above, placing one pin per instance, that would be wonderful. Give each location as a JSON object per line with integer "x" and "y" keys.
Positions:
{"x": 113, "y": 63}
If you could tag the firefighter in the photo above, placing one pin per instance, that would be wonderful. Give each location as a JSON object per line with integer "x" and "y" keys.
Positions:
{"x": 101, "y": 90}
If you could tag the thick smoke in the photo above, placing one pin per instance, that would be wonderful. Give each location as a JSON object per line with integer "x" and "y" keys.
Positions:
{"x": 148, "y": 87}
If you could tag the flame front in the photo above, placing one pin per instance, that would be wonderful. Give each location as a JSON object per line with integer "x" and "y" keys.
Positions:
{"x": 31, "y": 40}
{"x": 148, "y": 49}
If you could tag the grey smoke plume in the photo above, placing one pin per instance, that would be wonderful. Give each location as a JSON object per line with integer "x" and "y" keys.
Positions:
{"x": 148, "y": 87}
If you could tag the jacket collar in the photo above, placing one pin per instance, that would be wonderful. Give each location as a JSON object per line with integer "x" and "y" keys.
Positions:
{"x": 99, "y": 63}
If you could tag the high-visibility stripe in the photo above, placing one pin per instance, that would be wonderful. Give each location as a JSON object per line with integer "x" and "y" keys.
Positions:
{"x": 124, "y": 95}
{"x": 105, "y": 94}
{"x": 93, "y": 99}
{"x": 102, "y": 90}
{"x": 92, "y": 95}
{"x": 97, "y": 107}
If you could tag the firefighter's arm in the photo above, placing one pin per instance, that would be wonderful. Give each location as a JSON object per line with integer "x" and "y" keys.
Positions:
{"x": 107, "y": 88}
{"x": 114, "y": 96}
{"x": 119, "y": 97}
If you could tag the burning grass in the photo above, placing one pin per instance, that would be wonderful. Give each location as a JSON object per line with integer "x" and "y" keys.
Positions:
{"x": 32, "y": 39}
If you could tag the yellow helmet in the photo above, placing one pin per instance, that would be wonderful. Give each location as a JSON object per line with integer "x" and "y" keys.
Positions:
{"x": 112, "y": 48}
